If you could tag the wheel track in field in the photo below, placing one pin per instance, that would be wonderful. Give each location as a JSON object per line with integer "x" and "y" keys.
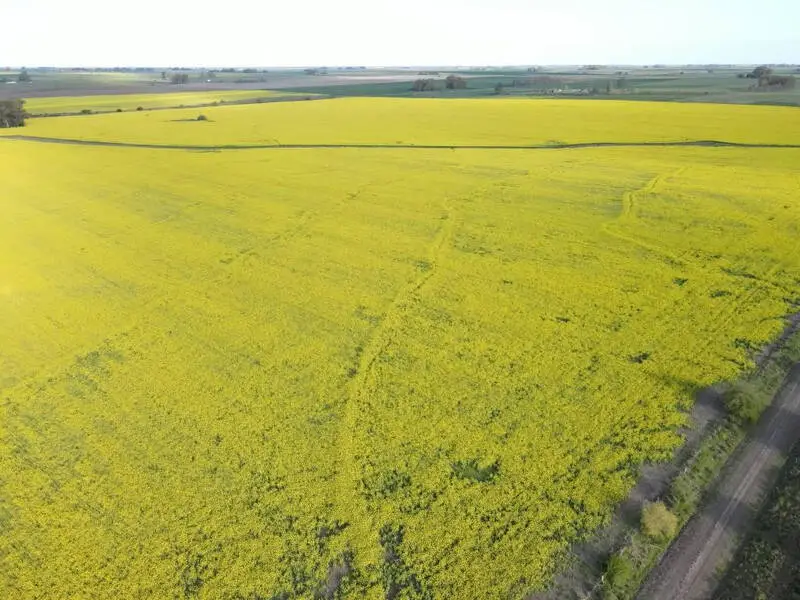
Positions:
{"x": 379, "y": 339}
{"x": 628, "y": 214}
{"x": 368, "y": 146}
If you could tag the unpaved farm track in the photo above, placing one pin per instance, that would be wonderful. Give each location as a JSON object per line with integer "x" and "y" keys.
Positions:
{"x": 690, "y": 143}
{"x": 688, "y": 569}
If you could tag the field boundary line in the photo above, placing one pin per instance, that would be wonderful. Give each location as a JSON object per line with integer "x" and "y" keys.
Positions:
{"x": 368, "y": 146}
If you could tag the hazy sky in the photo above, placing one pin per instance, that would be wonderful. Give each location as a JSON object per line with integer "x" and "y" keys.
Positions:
{"x": 397, "y": 32}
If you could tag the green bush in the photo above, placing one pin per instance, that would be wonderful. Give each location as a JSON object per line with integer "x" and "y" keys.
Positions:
{"x": 620, "y": 572}
{"x": 745, "y": 401}
{"x": 658, "y": 522}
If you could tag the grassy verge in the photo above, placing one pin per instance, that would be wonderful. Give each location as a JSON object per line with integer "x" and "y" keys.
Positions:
{"x": 745, "y": 399}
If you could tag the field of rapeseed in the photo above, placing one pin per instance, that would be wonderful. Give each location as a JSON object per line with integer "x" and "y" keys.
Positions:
{"x": 113, "y": 102}
{"x": 445, "y": 122}
{"x": 360, "y": 373}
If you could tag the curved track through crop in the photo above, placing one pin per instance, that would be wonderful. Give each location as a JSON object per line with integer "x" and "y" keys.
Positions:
{"x": 379, "y": 340}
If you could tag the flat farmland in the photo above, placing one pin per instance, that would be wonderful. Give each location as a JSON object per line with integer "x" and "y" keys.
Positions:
{"x": 445, "y": 122}
{"x": 350, "y": 372}
{"x": 129, "y": 102}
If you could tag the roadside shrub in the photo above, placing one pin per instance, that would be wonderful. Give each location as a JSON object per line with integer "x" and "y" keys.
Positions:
{"x": 619, "y": 573}
{"x": 139, "y": 108}
{"x": 202, "y": 118}
{"x": 658, "y": 522}
{"x": 86, "y": 111}
{"x": 744, "y": 402}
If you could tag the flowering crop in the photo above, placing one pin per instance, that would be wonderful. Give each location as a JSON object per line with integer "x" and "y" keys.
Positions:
{"x": 397, "y": 121}
{"x": 112, "y": 102}
{"x": 337, "y": 372}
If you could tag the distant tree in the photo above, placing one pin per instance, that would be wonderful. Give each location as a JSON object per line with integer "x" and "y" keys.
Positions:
{"x": 424, "y": 85}
{"x": 179, "y": 78}
{"x": 454, "y": 82}
{"x": 499, "y": 88}
{"x": 12, "y": 113}
{"x": 759, "y": 72}
{"x": 163, "y": 75}
{"x": 24, "y": 76}
{"x": 783, "y": 82}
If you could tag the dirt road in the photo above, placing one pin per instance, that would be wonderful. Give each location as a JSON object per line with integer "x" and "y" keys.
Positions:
{"x": 688, "y": 569}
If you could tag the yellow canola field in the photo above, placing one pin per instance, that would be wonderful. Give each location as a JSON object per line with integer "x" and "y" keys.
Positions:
{"x": 275, "y": 374}
{"x": 396, "y": 121}
{"x": 128, "y": 102}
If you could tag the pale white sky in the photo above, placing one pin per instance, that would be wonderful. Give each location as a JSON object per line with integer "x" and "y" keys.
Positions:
{"x": 405, "y": 32}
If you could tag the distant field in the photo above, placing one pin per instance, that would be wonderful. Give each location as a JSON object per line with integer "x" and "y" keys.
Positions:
{"x": 402, "y": 373}
{"x": 677, "y": 84}
{"x": 697, "y": 83}
{"x": 74, "y": 83}
{"x": 127, "y": 102}
{"x": 65, "y": 83}
{"x": 503, "y": 121}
